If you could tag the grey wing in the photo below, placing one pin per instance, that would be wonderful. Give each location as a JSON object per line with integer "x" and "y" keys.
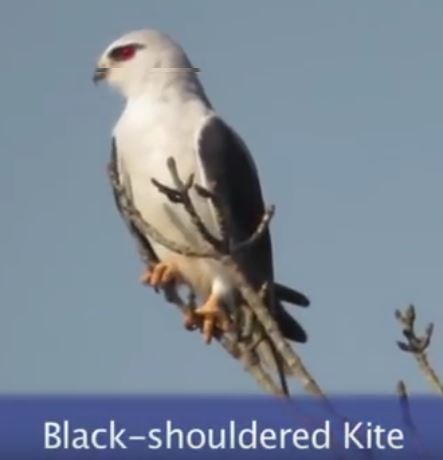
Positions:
{"x": 230, "y": 170}
{"x": 144, "y": 247}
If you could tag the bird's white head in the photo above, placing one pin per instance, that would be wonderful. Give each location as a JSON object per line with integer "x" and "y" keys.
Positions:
{"x": 140, "y": 58}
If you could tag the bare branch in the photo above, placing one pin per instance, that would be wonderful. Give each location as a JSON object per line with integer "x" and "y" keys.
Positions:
{"x": 290, "y": 358}
{"x": 261, "y": 228}
{"x": 144, "y": 227}
{"x": 222, "y": 221}
{"x": 181, "y": 195}
{"x": 404, "y": 402}
{"x": 418, "y": 346}
{"x": 236, "y": 350}
{"x": 409, "y": 421}
{"x": 240, "y": 351}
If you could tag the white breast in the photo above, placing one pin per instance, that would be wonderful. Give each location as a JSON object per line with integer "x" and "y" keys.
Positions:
{"x": 146, "y": 135}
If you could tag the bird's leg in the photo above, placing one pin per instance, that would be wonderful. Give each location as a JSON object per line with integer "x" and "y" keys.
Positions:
{"x": 213, "y": 316}
{"x": 161, "y": 274}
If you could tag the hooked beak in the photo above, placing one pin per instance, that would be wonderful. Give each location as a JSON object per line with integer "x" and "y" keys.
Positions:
{"x": 100, "y": 74}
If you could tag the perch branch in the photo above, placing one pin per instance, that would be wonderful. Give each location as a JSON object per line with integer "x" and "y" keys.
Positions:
{"x": 181, "y": 195}
{"x": 236, "y": 350}
{"x": 292, "y": 360}
{"x": 252, "y": 298}
{"x": 418, "y": 346}
{"x": 405, "y": 408}
{"x": 409, "y": 421}
{"x": 261, "y": 228}
{"x": 145, "y": 228}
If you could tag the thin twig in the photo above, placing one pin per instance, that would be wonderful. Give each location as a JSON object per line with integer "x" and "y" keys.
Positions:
{"x": 291, "y": 359}
{"x": 261, "y": 228}
{"x": 252, "y": 298}
{"x": 145, "y": 228}
{"x": 222, "y": 222}
{"x": 240, "y": 351}
{"x": 409, "y": 421}
{"x": 418, "y": 346}
{"x": 405, "y": 408}
{"x": 236, "y": 350}
{"x": 182, "y": 196}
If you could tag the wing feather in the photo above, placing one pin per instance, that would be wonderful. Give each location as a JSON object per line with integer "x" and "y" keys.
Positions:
{"x": 230, "y": 170}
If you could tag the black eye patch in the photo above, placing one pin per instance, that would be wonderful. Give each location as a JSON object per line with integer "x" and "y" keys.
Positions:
{"x": 125, "y": 52}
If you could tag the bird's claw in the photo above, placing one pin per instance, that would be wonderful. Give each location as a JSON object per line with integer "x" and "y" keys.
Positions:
{"x": 192, "y": 321}
{"x": 212, "y": 319}
{"x": 160, "y": 275}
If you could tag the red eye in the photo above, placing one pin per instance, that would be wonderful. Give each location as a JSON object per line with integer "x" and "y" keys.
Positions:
{"x": 123, "y": 53}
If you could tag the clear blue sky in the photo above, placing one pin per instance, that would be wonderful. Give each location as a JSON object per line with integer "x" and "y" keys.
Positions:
{"x": 342, "y": 105}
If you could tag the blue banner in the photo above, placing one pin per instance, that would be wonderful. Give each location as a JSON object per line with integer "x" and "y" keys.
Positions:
{"x": 38, "y": 428}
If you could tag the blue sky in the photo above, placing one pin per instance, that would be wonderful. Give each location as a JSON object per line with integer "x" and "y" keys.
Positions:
{"x": 341, "y": 104}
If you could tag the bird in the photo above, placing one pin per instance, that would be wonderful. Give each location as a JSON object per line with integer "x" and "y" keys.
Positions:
{"x": 167, "y": 114}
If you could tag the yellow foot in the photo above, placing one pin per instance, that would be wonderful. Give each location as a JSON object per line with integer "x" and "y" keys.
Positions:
{"x": 192, "y": 321}
{"x": 160, "y": 275}
{"x": 214, "y": 318}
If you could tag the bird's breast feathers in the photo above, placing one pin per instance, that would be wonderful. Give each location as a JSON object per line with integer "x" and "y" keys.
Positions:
{"x": 144, "y": 143}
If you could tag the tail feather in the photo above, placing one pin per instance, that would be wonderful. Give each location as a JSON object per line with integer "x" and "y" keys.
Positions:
{"x": 289, "y": 327}
{"x": 287, "y": 294}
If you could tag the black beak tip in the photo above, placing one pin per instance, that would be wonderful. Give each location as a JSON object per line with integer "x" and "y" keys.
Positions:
{"x": 99, "y": 74}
